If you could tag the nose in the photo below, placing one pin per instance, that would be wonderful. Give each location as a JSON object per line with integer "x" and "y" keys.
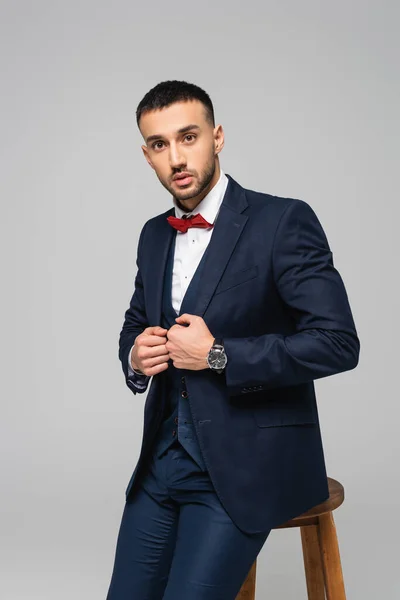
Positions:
{"x": 176, "y": 158}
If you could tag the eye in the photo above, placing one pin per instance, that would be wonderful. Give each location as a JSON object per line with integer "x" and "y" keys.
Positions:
{"x": 155, "y": 145}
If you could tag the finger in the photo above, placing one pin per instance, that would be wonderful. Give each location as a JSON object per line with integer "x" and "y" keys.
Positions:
{"x": 185, "y": 317}
{"x": 152, "y": 340}
{"x": 155, "y": 360}
{"x": 155, "y": 330}
{"x": 151, "y": 351}
{"x": 152, "y": 365}
{"x": 158, "y": 369}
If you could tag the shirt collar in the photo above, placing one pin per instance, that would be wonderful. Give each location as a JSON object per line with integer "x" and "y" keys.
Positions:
{"x": 209, "y": 206}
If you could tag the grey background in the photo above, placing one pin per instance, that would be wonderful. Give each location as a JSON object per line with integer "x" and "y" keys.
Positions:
{"x": 308, "y": 95}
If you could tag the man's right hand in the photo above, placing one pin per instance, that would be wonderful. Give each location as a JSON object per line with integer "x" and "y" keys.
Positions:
{"x": 149, "y": 353}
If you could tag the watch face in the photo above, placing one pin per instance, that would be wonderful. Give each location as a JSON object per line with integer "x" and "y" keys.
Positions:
{"x": 217, "y": 359}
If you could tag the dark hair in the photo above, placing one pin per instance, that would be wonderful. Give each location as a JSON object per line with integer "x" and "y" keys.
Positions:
{"x": 168, "y": 92}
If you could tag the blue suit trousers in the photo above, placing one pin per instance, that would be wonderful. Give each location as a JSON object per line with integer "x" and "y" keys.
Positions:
{"x": 176, "y": 540}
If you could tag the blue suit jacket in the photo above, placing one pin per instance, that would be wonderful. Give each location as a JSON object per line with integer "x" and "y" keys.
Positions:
{"x": 270, "y": 290}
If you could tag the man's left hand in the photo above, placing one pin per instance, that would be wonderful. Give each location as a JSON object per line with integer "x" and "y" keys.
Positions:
{"x": 188, "y": 345}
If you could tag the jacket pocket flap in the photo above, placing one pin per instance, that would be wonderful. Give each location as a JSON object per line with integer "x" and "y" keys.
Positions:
{"x": 233, "y": 279}
{"x": 291, "y": 405}
{"x": 275, "y": 416}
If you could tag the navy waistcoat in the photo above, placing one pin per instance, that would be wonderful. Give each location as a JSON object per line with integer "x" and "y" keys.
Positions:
{"x": 177, "y": 423}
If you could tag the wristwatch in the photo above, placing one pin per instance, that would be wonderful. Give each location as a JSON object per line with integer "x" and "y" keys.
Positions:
{"x": 216, "y": 358}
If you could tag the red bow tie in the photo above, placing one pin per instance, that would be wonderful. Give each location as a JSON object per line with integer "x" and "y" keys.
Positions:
{"x": 191, "y": 221}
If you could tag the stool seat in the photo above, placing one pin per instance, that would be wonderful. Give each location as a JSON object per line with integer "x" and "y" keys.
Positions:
{"x": 321, "y": 556}
{"x": 336, "y": 498}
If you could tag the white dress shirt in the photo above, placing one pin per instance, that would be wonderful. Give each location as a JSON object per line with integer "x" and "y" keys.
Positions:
{"x": 189, "y": 249}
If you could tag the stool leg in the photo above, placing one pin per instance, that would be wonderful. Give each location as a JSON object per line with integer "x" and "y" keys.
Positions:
{"x": 312, "y": 562}
{"x": 248, "y": 589}
{"x": 334, "y": 584}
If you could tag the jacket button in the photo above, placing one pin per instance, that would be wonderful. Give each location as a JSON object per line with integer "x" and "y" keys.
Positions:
{"x": 176, "y": 420}
{"x": 184, "y": 394}
{"x": 174, "y": 433}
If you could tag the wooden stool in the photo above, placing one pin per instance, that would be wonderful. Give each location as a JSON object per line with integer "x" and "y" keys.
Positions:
{"x": 320, "y": 550}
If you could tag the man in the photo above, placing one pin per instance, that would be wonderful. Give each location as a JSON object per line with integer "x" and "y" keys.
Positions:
{"x": 237, "y": 308}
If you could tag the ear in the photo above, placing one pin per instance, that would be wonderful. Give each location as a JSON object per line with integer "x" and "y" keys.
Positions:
{"x": 219, "y": 139}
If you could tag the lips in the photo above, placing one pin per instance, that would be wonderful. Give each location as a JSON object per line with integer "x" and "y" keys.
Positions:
{"x": 181, "y": 176}
{"x": 183, "y": 179}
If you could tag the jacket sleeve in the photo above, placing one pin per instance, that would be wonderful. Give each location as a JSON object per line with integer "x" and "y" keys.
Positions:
{"x": 135, "y": 322}
{"x": 325, "y": 341}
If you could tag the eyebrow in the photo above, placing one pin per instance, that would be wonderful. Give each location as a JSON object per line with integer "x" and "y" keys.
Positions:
{"x": 185, "y": 129}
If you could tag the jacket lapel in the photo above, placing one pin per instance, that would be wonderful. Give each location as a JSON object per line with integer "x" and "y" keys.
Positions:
{"x": 226, "y": 233}
{"x": 157, "y": 248}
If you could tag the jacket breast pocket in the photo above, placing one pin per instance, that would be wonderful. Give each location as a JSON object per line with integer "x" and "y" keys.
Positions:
{"x": 233, "y": 279}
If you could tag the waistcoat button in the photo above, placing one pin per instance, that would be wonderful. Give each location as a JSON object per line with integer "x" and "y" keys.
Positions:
{"x": 173, "y": 433}
{"x": 176, "y": 420}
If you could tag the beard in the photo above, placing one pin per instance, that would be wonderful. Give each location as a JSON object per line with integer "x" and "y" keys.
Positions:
{"x": 199, "y": 184}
